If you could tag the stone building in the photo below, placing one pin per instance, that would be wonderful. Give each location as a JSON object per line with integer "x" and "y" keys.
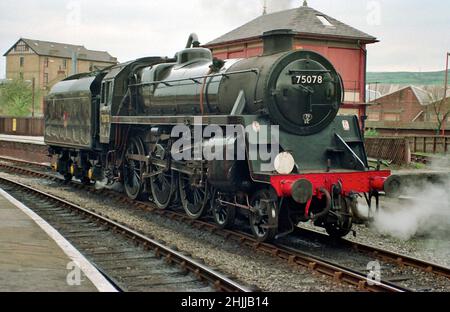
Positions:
{"x": 50, "y": 62}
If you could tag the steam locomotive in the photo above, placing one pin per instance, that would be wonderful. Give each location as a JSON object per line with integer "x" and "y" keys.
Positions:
{"x": 130, "y": 123}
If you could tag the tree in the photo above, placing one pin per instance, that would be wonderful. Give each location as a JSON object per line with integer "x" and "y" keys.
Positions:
{"x": 440, "y": 108}
{"x": 16, "y": 97}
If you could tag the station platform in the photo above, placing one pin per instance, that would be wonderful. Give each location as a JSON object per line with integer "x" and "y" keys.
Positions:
{"x": 22, "y": 139}
{"x": 27, "y": 148}
{"x": 34, "y": 257}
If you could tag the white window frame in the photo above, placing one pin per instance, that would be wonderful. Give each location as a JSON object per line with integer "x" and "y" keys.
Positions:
{"x": 325, "y": 22}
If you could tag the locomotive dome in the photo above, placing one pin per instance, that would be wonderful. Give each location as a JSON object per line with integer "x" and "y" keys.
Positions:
{"x": 193, "y": 54}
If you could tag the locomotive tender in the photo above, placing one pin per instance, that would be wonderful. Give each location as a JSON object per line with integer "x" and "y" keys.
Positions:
{"x": 120, "y": 124}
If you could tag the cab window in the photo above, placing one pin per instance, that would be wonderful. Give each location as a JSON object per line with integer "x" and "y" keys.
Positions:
{"x": 106, "y": 92}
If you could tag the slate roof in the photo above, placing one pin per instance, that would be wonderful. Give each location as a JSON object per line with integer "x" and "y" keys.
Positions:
{"x": 47, "y": 48}
{"x": 303, "y": 20}
{"x": 372, "y": 95}
{"x": 423, "y": 97}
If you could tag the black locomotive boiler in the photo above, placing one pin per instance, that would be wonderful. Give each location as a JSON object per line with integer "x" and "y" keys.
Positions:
{"x": 120, "y": 124}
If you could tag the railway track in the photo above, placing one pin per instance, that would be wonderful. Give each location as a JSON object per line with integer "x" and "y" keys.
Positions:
{"x": 132, "y": 261}
{"x": 422, "y": 159}
{"x": 405, "y": 271}
{"x": 293, "y": 256}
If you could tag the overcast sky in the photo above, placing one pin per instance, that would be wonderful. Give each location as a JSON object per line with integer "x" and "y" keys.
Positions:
{"x": 414, "y": 34}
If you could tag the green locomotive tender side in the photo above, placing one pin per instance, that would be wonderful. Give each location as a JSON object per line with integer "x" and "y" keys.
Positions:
{"x": 71, "y": 112}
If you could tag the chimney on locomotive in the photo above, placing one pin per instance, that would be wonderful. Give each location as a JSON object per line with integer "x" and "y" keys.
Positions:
{"x": 279, "y": 40}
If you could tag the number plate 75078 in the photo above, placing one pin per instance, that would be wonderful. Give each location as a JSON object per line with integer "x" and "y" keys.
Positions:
{"x": 307, "y": 79}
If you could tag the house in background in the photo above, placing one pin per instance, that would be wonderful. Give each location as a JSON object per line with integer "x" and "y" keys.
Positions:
{"x": 408, "y": 111}
{"x": 50, "y": 62}
{"x": 408, "y": 104}
{"x": 343, "y": 45}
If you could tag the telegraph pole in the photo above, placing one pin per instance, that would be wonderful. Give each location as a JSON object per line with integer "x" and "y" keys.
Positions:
{"x": 446, "y": 75}
{"x": 445, "y": 93}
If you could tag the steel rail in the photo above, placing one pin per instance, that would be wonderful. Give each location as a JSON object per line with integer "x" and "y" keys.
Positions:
{"x": 385, "y": 255}
{"x": 377, "y": 252}
{"x": 290, "y": 255}
{"x": 201, "y": 271}
{"x": 339, "y": 272}
{"x": 25, "y": 162}
{"x": 423, "y": 159}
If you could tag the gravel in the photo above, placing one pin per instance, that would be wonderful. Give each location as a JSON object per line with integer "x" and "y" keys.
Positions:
{"x": 347, "y": 256}
{"x": 238, "y": 262}
{"x": 411, "y": 229}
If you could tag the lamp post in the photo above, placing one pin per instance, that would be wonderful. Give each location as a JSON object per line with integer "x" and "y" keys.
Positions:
{"x": 445, "y": 92}
{"x": 33, "y": 97}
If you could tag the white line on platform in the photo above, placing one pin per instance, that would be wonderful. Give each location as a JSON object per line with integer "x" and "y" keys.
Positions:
{"x": 22, "y": 139}
{"x": 99, "y": 281}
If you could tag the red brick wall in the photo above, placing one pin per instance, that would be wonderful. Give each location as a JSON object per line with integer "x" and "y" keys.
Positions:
{"x": 403, "y": 103}
{"x": 401, "y": 132}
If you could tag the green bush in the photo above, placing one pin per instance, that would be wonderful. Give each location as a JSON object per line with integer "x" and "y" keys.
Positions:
{"x": 16, "y": 97}
{"x": 370, "y": 133}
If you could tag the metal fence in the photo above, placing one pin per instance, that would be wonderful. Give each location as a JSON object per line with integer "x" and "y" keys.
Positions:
{"x": 22, "y": 126}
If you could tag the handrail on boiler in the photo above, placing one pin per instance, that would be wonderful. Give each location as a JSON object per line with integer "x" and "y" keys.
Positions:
{"x": 168, "y": 82}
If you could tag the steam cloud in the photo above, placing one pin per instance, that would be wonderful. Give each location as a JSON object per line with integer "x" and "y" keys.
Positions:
{"x": 427, "y": 213}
